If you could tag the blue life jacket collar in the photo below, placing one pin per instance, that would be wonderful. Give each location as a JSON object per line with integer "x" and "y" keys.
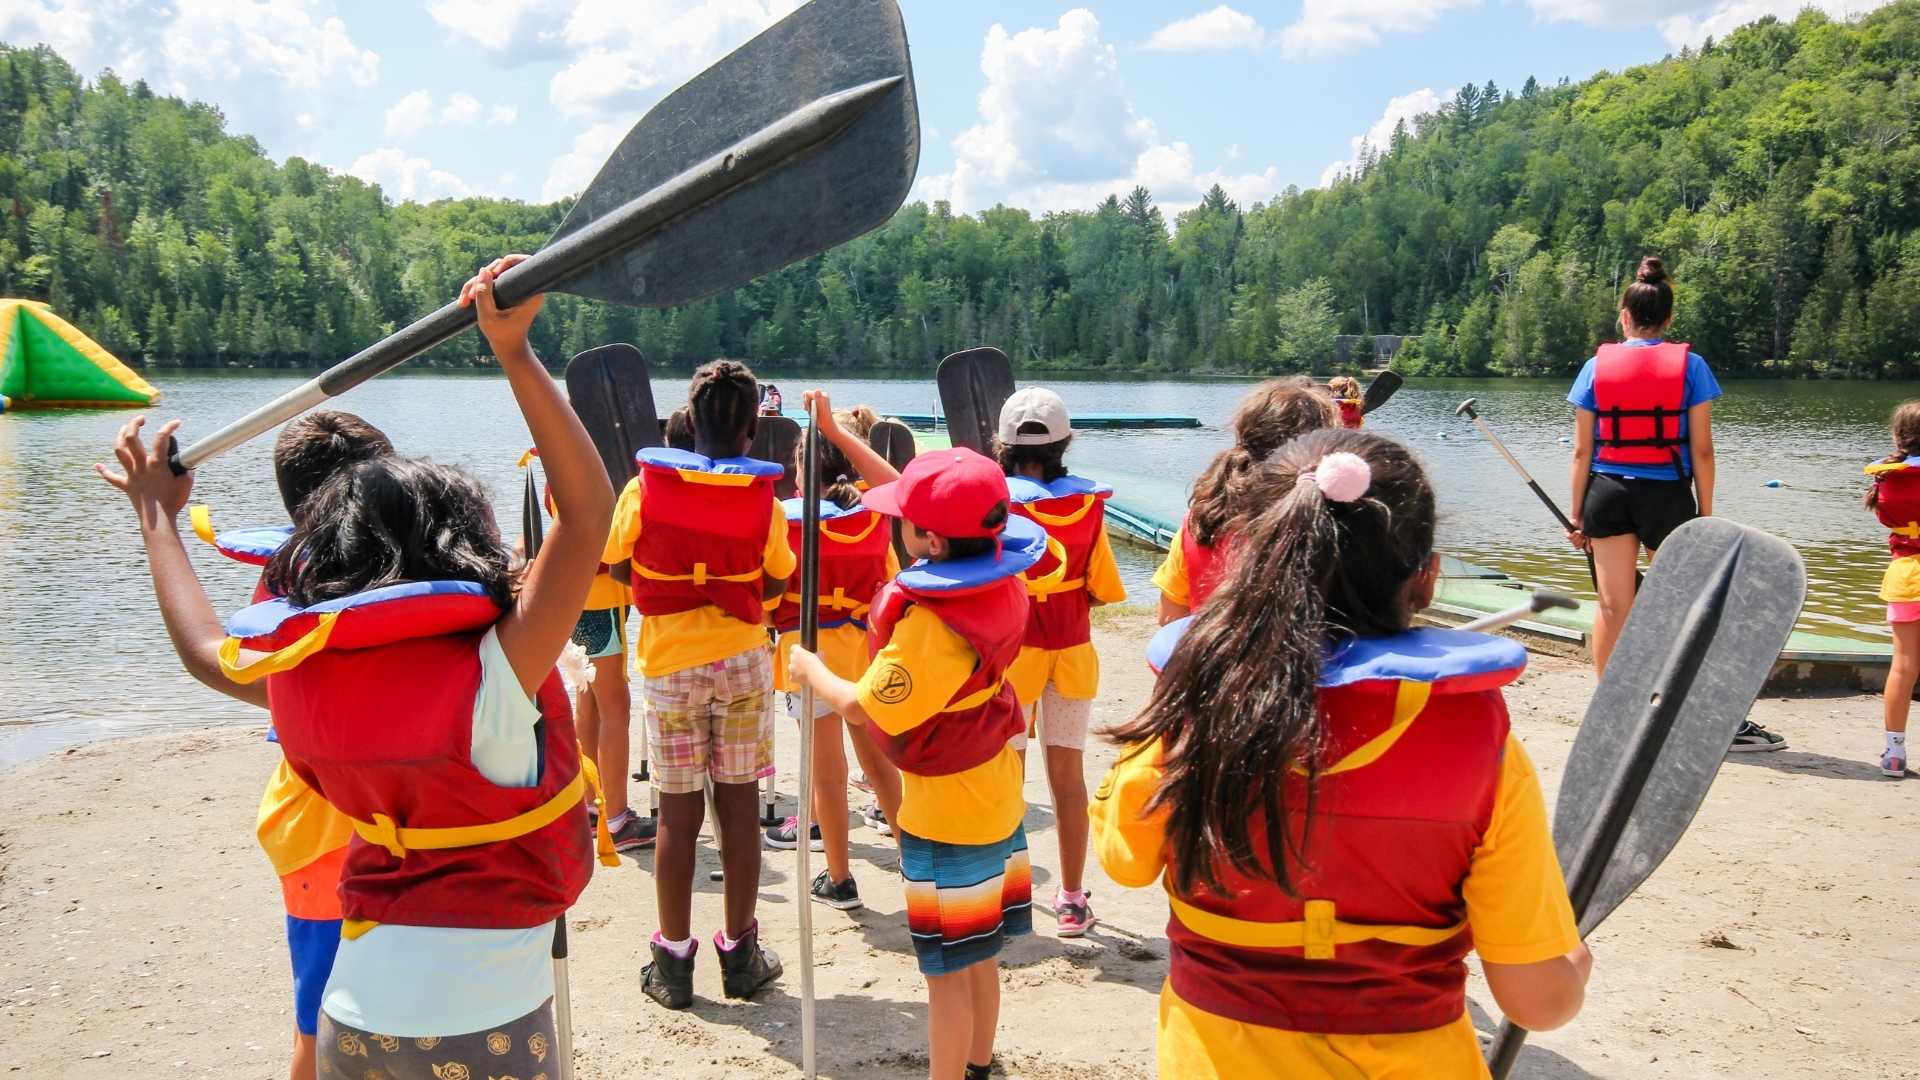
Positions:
{"x": 1022, "y": 543}
{"x": 1426, "y": 655}
{"x": 669, "y": 458}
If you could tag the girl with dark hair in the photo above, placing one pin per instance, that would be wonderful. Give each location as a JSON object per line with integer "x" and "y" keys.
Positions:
{"x": 856, "y": 558}
{"x": 1268, "y": 418}
{"x": 1642, "y": 457}
{"x": 1895, "y": 500}
{"x": 1335, "y": 801}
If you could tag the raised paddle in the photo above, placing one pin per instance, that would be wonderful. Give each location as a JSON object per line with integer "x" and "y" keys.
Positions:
{"x": 1383, "y": 386}
{"x": 612, "y": 394}
{"x": 973, "y": 386}
{"x": 893, "y": 440}
{"x": 798, "y": 141}
{"x": 533, "y": 526}
{"x": 1704, "y": 632}
{"x": 775, "y": 438}
{"x": 1542, "y": 600}
{"x": 1467, "y": 410}
{"x": 810, "y": 641}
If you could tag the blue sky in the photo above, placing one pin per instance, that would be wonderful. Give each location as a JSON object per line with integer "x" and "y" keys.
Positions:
{"x": 1043, "y": 105}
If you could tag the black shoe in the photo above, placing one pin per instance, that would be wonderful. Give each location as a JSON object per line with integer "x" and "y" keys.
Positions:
{"x": 634, "y": 833}
{"x": 747, "y": 967}
{"x": 1752, "y": 737}
{"x": 669, "y": 979}
{"x": 843, "y": 895}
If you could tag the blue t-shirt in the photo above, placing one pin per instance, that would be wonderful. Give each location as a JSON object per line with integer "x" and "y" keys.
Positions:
{"x": 1701, "y": 387}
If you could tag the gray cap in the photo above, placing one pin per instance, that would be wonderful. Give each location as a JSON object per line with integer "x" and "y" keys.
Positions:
{"x": 1034, "y": 405}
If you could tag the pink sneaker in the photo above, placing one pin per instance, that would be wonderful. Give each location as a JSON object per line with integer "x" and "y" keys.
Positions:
{"x": 1073, "y": 918}
{"x": 1893, "y": 766}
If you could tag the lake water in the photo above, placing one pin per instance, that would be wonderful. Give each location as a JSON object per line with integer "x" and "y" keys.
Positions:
{"x": 83, "y": 653}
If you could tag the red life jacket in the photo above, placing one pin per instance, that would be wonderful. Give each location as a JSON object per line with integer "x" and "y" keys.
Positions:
{"x": 1350, "y": 414}
{"x": 1640, "y": 397}
{"x": 1897, "y": 503}
{"x": 372, "y": 696}
{"x": 1205, "y": 563}
{"x": 853, "y": 564}
{"x": 984, "y": 601}
{"x": 1376, "y": 940}
{"x": 704, "y": 537}
{"x": 1073, "y": 510}
{"x": 254, "y": 545}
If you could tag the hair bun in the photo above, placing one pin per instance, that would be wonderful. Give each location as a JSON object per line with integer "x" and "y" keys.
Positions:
{"x": 1652, "y": 271}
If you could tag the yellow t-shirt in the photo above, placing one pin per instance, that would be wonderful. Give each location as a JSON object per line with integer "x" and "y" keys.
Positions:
{"x": 909, "y": 682}
{"x": 1171, "y": 576}
{"x": 843, "y": 648}
{"x": 1074, "y": 670}
{"x": 1516, "y": 906}
{"x": 685, "y": 639}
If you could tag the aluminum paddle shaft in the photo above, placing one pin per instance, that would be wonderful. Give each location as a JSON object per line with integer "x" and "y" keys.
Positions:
{"x": 810, "y": 641}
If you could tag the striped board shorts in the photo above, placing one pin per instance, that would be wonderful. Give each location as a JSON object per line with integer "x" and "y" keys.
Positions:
{"x": 965, "y": 900}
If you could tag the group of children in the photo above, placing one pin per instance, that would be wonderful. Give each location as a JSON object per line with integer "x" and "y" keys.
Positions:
{"x": 1280, "y": 780}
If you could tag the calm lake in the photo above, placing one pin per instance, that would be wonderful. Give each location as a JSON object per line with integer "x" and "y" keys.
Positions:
{"x": 83, "y": 654}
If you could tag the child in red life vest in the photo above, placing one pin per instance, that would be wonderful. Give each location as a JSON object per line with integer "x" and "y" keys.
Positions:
{"x": 856, "y": 558}
{"x": 703, "y": 543}
{"x": 1058, "y": 672}
{"x": 1347, "y": 398}
{"x": 470, "y": 830}
{"x": 1895, "y": 500}
{"x": 937, "y": 701}
{"x": 1335, "y": 801}
{"x": 1272, "y": 415}
{"x": 303, "y": 836}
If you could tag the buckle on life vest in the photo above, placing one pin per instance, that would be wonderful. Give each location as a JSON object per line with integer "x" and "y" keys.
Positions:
{"x": 1318, "y": 934}
{"x": 1317, "y": 929}
{"x": 398, "y": 839}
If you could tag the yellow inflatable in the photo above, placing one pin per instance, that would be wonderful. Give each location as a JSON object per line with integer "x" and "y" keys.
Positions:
{"x": 46, "y": 363}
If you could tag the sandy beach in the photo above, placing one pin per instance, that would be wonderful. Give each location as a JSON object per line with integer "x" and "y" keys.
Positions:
{"x": 140, "y": 928}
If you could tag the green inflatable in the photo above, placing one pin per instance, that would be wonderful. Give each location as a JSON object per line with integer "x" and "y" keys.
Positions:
{"x": 46, "y": 363}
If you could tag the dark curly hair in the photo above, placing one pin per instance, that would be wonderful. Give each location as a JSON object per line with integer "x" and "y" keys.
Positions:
{"x": 725, "y": 399}
{"x": 312, "y": 447}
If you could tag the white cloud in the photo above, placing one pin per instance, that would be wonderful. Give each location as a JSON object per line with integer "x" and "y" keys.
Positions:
{"x": 1729, "y": 15}
{"x": 405, "y": 177}
{"x": 627, "y": 53}
{"x": 1331, "y": 26}
{"x": 266, "y": 62}
{"x": 1380, "y": 136}
{"x": 513, "y": 30}
{"x": 410, "y": 115}
{"x": 502, "y": 116}
{"x": 1057, "y": 131}
{"x": 462, "y": 110}
{"x": 576, "y": 168}
{"x": 415, "y": 112}
{"x": 1221, "y": 28}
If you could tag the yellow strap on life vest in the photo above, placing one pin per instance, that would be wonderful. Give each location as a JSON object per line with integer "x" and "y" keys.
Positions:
{"x": 284, "y": 659}
{"x": 1318, "y": 932}
{"x": 201, "y": 517}
{"x": 1910, "y": 529}
{"x": 382, "y": 831}
{"x": 1055, "y": 580}
{"x": 839, "y": 601}
{"x": 527, "y": 458}
{"x": 602, "y": 838}
{"x": 698, "y": 577}
{"x": 1071, "y": 517}
{"x": 1408, "y": 701}
{"x": 977, "y": 698}
{"x": 695, "y": 476}
{"x": 873, "y": 522}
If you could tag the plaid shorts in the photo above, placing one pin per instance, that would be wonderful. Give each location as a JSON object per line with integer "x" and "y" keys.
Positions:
{"x": 715, "y": 719}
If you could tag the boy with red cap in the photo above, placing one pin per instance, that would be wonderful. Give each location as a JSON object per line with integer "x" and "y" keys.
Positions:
{"x": 937, "y": 702}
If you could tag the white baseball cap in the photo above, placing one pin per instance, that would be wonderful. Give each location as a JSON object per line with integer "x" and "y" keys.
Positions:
{"x": 1034, "y": 405}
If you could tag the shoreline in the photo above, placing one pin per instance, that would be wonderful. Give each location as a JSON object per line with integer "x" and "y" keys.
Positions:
{"x": 140, "y": 919}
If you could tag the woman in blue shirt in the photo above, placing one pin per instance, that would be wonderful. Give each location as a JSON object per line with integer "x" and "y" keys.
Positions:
{"x": 1642, "y": 456}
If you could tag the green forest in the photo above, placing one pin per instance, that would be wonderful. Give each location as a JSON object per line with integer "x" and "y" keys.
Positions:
{"x": 1776, "y": 170}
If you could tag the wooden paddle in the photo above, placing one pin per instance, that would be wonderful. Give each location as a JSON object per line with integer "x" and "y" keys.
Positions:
{"x": 1704, "y": 632}
{"x": 798, "y": 141}
{"x": 973, "y": 386}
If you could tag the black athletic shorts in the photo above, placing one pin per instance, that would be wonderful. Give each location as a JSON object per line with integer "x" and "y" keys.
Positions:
{"x": 1648, "y": 509}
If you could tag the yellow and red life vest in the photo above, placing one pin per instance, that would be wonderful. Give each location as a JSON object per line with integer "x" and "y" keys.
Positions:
{"x": 1205, "y": 563}
{"x": 1073, "y": 510}
{"x": 853, "y": 564}
{"x": 704, "y": 539}
{"x": 253, "y": 545}
{"x": 1640, "y": 398}
{"x": 1350, "y": 414}
{"x": 1897, "y": 503}
{"x": 372, "y": 696}
{"x": 984, "y": 600}
{"x": 1375, "y": 940}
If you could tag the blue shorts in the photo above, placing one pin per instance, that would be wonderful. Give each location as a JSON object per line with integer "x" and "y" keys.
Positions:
{"x": 965, "y": 900}
{"x": 311, "y": 943}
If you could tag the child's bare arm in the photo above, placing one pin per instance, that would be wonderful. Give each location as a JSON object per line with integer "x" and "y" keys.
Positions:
{"x": 556, "y": 583}
{"x": 873, "y": 468}
{"x": 158, "y": 497}
{"x": 839, "y": 695}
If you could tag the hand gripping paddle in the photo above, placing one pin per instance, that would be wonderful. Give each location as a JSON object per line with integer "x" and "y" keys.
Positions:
{"x": 611, "y": 393}
{"x": 796, "y": 142}
{"x": 1467, "y": 410}
{"x": 973, "y": 386}
{"x": 1703, "y": 634}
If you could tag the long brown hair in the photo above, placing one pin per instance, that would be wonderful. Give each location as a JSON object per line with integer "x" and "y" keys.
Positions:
{"x": 1906, "y": 441}
{"x": 1237, "y": 705}
{"x": 1269, "y": 417}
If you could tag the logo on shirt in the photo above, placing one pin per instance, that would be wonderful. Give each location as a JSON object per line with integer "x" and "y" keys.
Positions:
{"x": 892, "y": 685}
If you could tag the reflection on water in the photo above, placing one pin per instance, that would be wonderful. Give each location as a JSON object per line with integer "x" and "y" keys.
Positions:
{"x": 83, "y": 653}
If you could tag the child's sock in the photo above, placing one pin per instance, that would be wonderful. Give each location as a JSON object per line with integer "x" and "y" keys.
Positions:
{"x": 726, "y": 944}
{"x": 1062, "y": 896}
{"x": 1897, "y": 744}
{"x": 619, "y": 819}
{"x": 680, "y": 949}
{"x": 979, "y": 1072}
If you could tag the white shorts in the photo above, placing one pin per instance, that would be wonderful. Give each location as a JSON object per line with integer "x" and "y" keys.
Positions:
{"x": 1063, "y": 721}
{"x": 820, "y": 707}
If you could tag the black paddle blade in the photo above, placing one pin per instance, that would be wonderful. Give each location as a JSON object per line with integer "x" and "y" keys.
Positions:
{"x": 611, "y": 393}
{"x": 808, "y": 190}
{"x": 893, "y": 440}
{"x": 1383, "y": 386}
{"x": 1703, "y": 634}
{"x": 533, "y": 525}
{"x": 973, "y": 386}
{"x": 775, "y": 438}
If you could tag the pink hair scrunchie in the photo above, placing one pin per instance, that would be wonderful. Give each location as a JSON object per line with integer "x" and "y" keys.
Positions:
{"x": 1342, "y": 477}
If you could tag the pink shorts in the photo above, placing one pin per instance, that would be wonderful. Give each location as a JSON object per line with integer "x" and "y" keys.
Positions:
{"x": 1903, "y": 611}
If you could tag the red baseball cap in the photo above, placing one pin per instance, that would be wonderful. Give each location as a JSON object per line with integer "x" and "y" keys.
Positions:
{"x": 947, "y": 492}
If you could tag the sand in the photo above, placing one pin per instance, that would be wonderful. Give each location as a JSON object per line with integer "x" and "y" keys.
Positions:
{"x": 140, "y": 929}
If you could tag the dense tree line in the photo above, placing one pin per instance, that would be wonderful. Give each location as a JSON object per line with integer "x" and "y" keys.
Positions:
{"x": 1778, "y": 171}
